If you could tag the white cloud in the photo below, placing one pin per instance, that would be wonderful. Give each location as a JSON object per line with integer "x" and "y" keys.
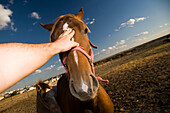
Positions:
{"x": 4, "y": 17}
{"x": 89, "y": 21}
{"x": 25, "y": 1}
{"x": 35, "y": 15}
{"x": 140, "y": 39}
{"x": 60, "y": 67}
{"x": 120, "y": 43}
{"x": 103, "y": 50}
{"x": 114, "y": 47}
{"x": 97, "y": 53}
{"x": 123, "y": 46}
{"x": 139, "y": 19}
{"x": 110, "y": 48}
{"x": 109, "y": 35}
{"x": 117, "y": 29}
{"x": 130, "y": 22}
{"x": 12, "y": 27}
{"x": 50, "y": 67}
{"x": 38, "y": 71}
{"x": 143, "y": 33}
{"x": 164, "y": 25}
{"x": 56, "y": 62}
{"x": 11, "y": 1}
{"x": 34, "y": 23}
{"x": 46, "y": 69}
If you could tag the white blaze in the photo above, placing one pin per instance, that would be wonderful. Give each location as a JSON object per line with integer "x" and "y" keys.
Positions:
{"x": 75, "y": 54}
{"x": 75, "y": 57}
{"x": 65, "y": 27}
{"x": 84, "y": 86}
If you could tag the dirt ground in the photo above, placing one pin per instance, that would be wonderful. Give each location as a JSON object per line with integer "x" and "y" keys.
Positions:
{"x": 22, "y": 103}
{"x": 139, "y": 83}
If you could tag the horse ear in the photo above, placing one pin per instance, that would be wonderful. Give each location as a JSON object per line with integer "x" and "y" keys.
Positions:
{"x": 80, "y": 14}
{"x": 47, "y": 26}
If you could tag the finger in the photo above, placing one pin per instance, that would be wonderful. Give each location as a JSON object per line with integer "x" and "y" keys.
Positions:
{"x": 71, "y": 34}
{"x": 75, "y": 44}
{"x": 67, "y": 32}
{"x": 72, "y": 39}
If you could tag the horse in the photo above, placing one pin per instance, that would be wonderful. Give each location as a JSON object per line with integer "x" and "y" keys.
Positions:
{"x": 78, "y": 90}
{"x": 46, "y": 98}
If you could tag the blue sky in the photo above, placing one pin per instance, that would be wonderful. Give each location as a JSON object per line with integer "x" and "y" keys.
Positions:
{"x": 116, "y": 25}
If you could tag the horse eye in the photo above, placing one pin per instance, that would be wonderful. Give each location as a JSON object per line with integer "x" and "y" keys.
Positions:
{"x": 86, "y": 30}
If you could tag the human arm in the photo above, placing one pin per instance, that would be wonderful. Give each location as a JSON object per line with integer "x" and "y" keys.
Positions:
{"x": 18, "y": 60}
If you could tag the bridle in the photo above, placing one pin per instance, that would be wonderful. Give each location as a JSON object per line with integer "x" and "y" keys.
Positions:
{"x": 47, "y": 107}
{"x": 90, "y": 57}
{"x": 64, "y": 56}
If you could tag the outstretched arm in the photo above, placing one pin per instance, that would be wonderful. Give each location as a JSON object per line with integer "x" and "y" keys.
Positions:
{"x": 18, "y": 60}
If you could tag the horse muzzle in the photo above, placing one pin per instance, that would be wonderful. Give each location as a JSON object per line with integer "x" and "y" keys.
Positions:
{"x": 84, "y": 90}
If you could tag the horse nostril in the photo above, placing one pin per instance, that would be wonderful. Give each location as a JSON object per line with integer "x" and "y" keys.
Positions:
{"x": 91, "y": 75}
{"x": 95, "y": 83}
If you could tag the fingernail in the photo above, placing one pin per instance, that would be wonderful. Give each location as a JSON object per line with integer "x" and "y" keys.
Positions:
{"x": 69, "y": 29}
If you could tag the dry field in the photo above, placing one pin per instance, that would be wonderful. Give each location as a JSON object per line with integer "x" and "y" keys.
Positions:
{"x": 23, "y": 103}
{"x": 140, "y": 85}
{"x": 139, "y": 82}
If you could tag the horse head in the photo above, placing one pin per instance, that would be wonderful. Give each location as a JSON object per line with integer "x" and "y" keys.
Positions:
{"x": 82, "y": 81}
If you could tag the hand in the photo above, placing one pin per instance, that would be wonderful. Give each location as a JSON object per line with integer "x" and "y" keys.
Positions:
{"x": 64, "y": 43}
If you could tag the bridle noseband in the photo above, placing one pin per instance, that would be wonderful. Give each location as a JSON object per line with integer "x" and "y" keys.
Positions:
{"x": 78, "y": 48}
{"x": 64, "y": 56}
